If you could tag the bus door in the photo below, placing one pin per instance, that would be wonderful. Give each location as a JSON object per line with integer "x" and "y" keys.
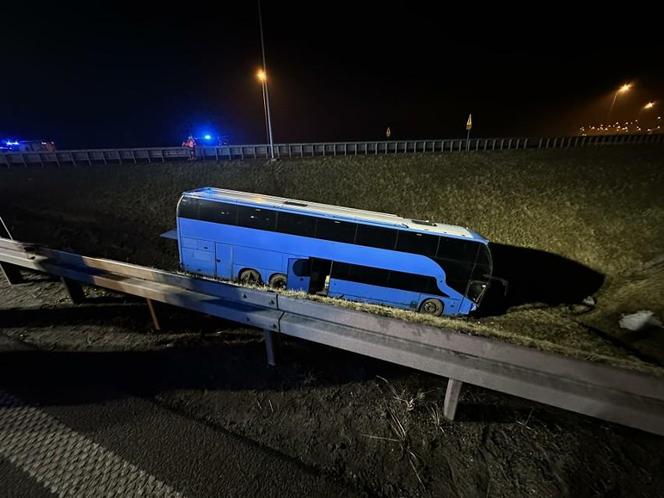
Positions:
{"x": 224, "y": 261}
{"x": 299, "y": 274}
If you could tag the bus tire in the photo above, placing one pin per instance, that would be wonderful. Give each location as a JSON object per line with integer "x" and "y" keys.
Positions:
{"x": 249, "y": 276}
{"x": 278, "y": 281}
{"x": 432, "y": 307}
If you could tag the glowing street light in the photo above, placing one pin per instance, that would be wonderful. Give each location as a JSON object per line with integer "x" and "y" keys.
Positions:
{"x": 262, "y": 77}
{"x": 626, "y": 87}
{"x": 646, "y": 107}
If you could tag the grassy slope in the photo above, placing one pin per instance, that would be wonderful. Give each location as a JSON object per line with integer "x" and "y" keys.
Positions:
{"x": 600, "y": 207}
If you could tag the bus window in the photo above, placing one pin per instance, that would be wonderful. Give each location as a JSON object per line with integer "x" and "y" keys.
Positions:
{"x": 457, "y": 273}
{"x": 218, "y": 212}
{"x": 296, "y": 224}
{"x": 386, "y": 278}
{"x": 417, "y": 243}
{"x": 261, "y": 219}
{"x": 188, "y": 208}
{"x": 461, "y": 250}
{"x": 369, "y": 275}
{"x": 407, "y": 281}
{"x": 371, "y": 236}
{"x": 339, "y": 231}
{"x": 302, "y": 268}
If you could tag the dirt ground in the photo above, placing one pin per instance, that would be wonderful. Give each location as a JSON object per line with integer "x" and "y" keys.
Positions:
{"x": 369, "y": 423}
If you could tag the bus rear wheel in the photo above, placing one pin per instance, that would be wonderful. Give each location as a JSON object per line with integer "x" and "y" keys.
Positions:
{"x": 278, "y": 281}
{"x": 432, "y": 307}
{"x": 249, "y": 277}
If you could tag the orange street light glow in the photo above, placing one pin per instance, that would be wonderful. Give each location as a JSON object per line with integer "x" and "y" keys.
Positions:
{"x": 261, "y": 75}
{"x": 625, "y": 87}
{"x": 649, "y": 105}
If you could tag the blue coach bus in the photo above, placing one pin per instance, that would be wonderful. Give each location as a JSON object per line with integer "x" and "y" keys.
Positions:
{"x": 330, "y": 250}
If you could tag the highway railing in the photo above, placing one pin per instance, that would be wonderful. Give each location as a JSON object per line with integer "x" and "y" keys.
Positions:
{"x": 300, "y": 150}
{"x": 614, "y": 394}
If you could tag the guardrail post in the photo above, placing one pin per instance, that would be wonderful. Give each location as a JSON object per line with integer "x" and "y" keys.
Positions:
{"x": 153, "y": 314}
{"x": 269, "y": 348}
{"x": 451, "y": 398}
{"x": 12, "y": 273}
{"x": 74, "y": 290}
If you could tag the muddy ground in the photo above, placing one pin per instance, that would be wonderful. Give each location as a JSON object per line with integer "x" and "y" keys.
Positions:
{"x": 366, "y": 422}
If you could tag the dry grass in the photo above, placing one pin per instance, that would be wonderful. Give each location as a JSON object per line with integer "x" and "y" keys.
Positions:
{"x": 598, "y": 206}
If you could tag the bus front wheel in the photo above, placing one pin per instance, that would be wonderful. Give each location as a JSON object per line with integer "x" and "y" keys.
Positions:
{"x": 432, "y": 307}
{"x": 249, "y": 277}
{"x": 278, "y": 281}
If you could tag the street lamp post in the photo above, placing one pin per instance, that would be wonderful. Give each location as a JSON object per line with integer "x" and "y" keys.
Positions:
{"x": 623, "y": 89}
{"x": 645, "y": 107}
{"x": 262, "y": 77}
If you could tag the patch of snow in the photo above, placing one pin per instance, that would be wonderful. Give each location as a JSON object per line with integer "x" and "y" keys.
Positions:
{"x": 637, "y": 321}
{"x": 589, "y": 301}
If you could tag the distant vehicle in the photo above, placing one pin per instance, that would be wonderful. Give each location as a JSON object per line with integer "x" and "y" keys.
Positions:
{"x": 206, "y": 140}
{"x": 9, "y": 145}
{"x": 335, "y": 251}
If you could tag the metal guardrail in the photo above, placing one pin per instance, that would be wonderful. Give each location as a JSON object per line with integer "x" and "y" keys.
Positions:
{"x": 289, "y": 151}
{"x": 614, "y": 394}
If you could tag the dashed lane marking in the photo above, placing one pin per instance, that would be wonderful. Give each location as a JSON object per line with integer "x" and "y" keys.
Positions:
{"x": 66, "y": 462}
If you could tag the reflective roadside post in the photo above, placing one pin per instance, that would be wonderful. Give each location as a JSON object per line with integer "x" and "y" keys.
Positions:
{"x": 469, "y": 125}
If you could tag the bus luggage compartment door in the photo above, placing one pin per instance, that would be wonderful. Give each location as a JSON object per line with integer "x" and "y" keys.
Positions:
{"x": 298, "y": 274}
{"x": 224, "y": 261}
{"x": 198, "y": 256}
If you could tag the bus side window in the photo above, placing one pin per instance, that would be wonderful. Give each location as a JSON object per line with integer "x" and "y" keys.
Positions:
{"x": 417, "y": 243}
{"x": 188, "y": 208}
{"x": 296, "y": 224}
{"x": 371, "y": 236}
{"x": 340, "y": 231}
{"x": 261, "y": 219}
{"x": 369, "y": 275}
{"x": 340, "y": 271}
{"x": 218, "y": 212}
{"x": 461, "y": 250}
{"x": 302, "y": 268}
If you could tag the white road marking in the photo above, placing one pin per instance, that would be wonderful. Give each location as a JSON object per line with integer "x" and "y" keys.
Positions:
{"x": 66, "y": 462}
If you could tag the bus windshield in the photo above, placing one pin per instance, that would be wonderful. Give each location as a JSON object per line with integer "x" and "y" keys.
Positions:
{"x": 479, "y": 281}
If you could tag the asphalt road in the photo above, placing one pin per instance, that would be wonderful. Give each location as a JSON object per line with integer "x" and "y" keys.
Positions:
{"x": 104, "y": 438}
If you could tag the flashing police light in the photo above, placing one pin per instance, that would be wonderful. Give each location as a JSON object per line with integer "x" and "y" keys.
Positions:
{"x": 207, "y": 136}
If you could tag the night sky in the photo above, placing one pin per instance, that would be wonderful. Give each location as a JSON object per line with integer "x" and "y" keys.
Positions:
{"x": 116, "y": 76}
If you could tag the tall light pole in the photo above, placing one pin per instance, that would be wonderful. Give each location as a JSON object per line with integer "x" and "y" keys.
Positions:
{"x": 623, "y": 89}
{"x": 262, "y": 77}
{"x": 645, "y": 107}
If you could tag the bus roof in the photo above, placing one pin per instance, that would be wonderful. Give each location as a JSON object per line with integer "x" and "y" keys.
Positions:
{"x": 345, "y": 213}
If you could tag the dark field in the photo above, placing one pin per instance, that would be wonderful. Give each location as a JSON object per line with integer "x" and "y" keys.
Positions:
{"x": 565, "y": 224}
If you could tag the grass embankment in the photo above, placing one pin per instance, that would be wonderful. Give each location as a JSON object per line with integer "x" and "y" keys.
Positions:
{"x": 598, "y": 212}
